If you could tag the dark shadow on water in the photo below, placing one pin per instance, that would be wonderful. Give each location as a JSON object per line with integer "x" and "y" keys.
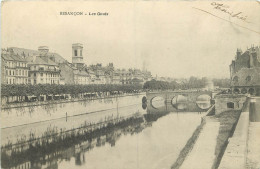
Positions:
{"x": 58, "y": 145}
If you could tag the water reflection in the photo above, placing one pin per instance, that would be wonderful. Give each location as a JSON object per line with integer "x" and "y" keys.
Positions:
{"x": 204, "y": 101}
{"x": 180, "y": 102}
{"x": 157, "y": 102}
{"x": 116, "y": 138}
{"x": 55, "y": 145}
{"x": 144, "y": 106}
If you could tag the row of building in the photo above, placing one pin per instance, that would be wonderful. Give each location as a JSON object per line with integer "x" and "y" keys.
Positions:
{"x": 25, "y": 66}
{"x": 245, "y": 71}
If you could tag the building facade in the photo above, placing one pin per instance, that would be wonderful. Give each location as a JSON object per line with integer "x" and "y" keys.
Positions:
{"x": 14, "y": 68}
{"x": 81, "y": 77}
{"x": 26, "y": 66}
{"x": 67, "y": 73}
{"x": 245, "y": 72}
{"x": 43, "y": 70}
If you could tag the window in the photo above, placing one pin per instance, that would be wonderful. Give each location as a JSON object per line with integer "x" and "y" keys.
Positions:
{"x": 235, "y": 79}
{"x": 75, "y": 52}
{"x": 248, "y": 78}
{"x": 13, "y": 72}
{"x": 251, "y": 91}
{"x": 236, "y": 90}
{"x": 230, "y": 105}
{"x": 19, "y": 72}
{"x": 41, "y": 74}
{"x": 80, "y": 52}
{"x": 243, "y": 91}
{"x": 34, "y": 74}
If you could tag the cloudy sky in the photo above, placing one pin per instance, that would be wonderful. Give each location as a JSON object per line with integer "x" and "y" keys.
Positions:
{"x": 174, "y": 39}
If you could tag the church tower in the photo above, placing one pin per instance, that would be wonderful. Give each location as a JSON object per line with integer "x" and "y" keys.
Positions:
{"x": 77, "y": 55}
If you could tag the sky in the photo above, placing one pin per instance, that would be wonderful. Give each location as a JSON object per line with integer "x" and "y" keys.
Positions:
{"x": 173, "y": 39}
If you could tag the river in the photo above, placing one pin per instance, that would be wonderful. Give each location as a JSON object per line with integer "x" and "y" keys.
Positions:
{"x": 107, "y": 133}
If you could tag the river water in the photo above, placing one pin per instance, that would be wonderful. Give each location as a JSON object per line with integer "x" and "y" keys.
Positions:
{"x": 126, "y": 136}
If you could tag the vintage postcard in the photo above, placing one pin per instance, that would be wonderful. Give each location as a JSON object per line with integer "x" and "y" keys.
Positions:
{"x": 130, "y": 84}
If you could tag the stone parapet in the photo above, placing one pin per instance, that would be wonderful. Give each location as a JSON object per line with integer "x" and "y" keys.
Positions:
{"x": 226, "y": 102}
{"x": 236, "y": 150}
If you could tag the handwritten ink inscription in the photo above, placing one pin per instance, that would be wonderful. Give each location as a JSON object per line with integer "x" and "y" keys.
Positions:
{"x": 225, "y": 9}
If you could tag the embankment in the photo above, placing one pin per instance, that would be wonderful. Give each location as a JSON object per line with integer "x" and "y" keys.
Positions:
{"x": 188, "y": 147}
{"x": 38, "y": 103}
{"x": 236, "y": 150}
{"x": 191, "y": 142}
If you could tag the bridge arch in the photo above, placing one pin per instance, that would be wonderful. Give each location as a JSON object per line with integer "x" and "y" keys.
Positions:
{"x": 179, "y": 102}
{"x": 203, "y": 101}
{"x": 157, "y": 101}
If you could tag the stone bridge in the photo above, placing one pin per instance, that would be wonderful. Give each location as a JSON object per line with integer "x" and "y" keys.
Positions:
{"x": 168, "y": 96}
{"x": 189, "y": 99}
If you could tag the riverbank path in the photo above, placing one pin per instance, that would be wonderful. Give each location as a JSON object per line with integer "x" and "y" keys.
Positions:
{"x": 203, "y": 153}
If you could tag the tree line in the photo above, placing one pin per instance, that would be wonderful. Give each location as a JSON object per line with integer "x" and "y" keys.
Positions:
{"x": 191, "y": 83}
{"x": 55, "y": 89}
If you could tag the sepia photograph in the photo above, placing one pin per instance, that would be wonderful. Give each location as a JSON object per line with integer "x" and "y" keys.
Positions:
{"x": 143, "y": 84}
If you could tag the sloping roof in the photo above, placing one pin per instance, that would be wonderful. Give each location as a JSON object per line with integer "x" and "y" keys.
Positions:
{"x": 7, "y": 57}
{"x": 12, "y": 57}
{"x": 80, "y": 72}
{"x": 18, "y": 58}
{"x": 58, "y": 58}
{"x": 26, "y": 52}
{"x": 37, "y": 60}
{"x": 29, "y": 52}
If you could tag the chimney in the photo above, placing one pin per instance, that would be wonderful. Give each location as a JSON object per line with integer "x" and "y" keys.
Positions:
{"x": 43, "y": 49}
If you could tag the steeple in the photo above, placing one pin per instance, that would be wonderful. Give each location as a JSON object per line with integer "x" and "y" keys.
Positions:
{"x": 77, "y": 55}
